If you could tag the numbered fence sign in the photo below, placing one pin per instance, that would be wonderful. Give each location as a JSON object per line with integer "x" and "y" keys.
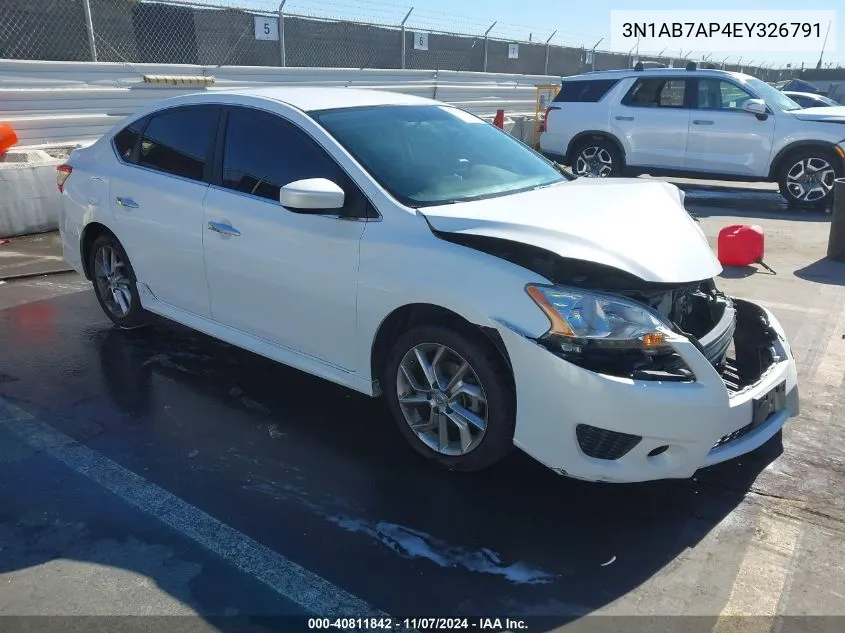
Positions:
{"x": 513, "y": 51}
{"x": 421, "y": 41}
{"x": 266, "y": 28}
{"x": 588, "y": 57}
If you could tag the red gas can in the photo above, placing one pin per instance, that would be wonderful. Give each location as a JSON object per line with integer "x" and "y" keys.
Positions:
{"x": 741, "y": 245}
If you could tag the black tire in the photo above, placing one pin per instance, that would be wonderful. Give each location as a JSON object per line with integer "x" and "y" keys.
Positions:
{"x": 790, "y": 164}
{"x": 589, "y": 159}
{"x": 136, "y": 316}
{"x": 495, "y": 380}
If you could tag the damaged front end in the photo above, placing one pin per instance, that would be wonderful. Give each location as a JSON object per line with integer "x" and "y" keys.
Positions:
{"x": 734, "y": 335}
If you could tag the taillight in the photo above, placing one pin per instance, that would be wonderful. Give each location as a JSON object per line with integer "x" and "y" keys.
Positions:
{"x": 545, "y": 124}
{"x": 62, "y": 173}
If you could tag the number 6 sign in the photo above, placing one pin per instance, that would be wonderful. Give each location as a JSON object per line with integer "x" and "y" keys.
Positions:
{"x": 266, "y": 28}
{"x": 421, "y": 41}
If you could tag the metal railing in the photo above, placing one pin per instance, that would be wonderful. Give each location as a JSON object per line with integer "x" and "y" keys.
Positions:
{"x": 264, "y": 33}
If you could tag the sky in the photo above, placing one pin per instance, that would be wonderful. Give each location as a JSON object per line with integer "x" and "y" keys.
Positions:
{"x": 577, "y": 23}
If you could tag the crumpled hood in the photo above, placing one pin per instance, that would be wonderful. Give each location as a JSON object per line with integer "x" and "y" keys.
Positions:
{"x": 833, "y": 114}
{"x": 637, "y": 226}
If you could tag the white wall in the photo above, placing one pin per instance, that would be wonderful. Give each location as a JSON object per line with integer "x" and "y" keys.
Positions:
{"x": 64, "y": 103}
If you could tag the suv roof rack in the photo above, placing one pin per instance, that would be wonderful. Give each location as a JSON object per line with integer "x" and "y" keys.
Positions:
{"x": 640, "y": 66}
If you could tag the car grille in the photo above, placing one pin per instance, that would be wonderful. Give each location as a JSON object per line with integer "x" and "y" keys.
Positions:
{"x": 604, "y": 444}
{"x": 730, "y": 437}
{"x": 730, "y": 376}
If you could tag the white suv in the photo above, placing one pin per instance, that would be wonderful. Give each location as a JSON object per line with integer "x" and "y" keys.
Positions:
{"x": 695, "y": 123}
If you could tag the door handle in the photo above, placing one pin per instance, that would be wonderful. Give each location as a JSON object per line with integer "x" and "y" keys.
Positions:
{"x": 129, "y": 203}
{"x": 223, "y": 229}
{"x": 624, "y": 118}
{"x": 700, "y": 122}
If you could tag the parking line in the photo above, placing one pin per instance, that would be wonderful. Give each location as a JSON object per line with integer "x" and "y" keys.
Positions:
{"x": 762, "y": 577}
{"x": 311, "y": 592}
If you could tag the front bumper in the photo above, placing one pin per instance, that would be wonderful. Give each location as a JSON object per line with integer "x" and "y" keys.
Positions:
{"x": 701, "y": 423}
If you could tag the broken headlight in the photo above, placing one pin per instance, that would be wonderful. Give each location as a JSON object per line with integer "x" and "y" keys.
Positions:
{"x": 608, "y": 334}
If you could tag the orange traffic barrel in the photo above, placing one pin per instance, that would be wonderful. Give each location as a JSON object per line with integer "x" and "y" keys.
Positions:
{"x": 8, "y": 138}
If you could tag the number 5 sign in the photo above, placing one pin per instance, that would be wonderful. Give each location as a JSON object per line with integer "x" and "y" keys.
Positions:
{"x": 266, "y": 28}
{"x": 421, "y": 41}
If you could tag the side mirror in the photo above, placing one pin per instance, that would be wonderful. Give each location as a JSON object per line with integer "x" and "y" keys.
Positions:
{"x": 311, "y": 193}
{"x": 755, "y": 106}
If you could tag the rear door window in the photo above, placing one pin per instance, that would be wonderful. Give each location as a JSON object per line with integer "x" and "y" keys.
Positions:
{"x": 178, "y": 141}
{"x": 656, "y": 92}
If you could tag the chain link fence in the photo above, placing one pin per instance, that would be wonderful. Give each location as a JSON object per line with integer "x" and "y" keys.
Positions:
{"x": 255, "y": 33}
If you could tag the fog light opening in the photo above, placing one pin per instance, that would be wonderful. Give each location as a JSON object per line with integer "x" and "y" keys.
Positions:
{"x": 658, "y": 451}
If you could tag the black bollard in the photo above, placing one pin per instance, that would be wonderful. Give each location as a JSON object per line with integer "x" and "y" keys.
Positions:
{"x": 836, "y": 241}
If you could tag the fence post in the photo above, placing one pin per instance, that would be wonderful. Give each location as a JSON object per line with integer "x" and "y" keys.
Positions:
{"x": 486, "y": 33}
{"x": 546, "y": 65}
{"x": 594, "y": 53}
{"x": 407, "y": 15}
{"x": 89, "y": 26}
{"x": 282, "y": 52}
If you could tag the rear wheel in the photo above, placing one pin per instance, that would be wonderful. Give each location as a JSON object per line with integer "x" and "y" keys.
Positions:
{"x": 596, "y": 158}
{"x": 451, "y": 395}
{"x": 114, "y": 283}
{"x": 806, "y": 177}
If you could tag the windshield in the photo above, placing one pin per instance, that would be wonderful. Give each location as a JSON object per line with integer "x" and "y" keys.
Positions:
{"x": 828, "y": 101}
{"x": 773, "y": 97}
{"x": 430, "y": 154}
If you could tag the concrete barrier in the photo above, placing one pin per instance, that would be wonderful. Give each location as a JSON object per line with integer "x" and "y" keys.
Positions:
{"x": 29, "y": 198}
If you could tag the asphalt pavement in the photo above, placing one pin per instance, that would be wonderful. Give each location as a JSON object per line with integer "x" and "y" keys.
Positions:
{"x": 161, "y": 473}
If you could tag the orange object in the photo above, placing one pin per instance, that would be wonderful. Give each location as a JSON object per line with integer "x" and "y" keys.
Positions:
{"x": 8, "y": 138}
{"x": 499, "y": 119}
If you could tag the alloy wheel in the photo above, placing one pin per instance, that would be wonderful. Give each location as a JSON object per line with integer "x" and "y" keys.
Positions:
{"x": 112, "y": 282}
{"x": 442, "y": 399}
{"x": 594, "y": 162}
{"x": 810, "y": 179}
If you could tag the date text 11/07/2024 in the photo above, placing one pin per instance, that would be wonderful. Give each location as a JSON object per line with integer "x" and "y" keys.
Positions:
{"x": 499, "y": 625}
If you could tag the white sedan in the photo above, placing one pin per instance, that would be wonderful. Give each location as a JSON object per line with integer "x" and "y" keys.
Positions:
{"x": 402, "y": 247}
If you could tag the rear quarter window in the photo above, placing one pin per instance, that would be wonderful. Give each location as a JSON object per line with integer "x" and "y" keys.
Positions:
{"x": 584, "y": 90}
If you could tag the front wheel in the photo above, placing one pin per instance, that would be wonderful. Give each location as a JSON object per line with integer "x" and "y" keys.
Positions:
{"x": 806, "y": 177}
{"x": 452, "y": 397}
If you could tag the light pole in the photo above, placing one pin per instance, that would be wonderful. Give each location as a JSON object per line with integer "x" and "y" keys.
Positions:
{"x": 407, "y": 15}
{"x": 546, "y": 65}
{"x": 282, "y": 52}
{"x": 594, "y": 53}
{"x": 486, "y": 33}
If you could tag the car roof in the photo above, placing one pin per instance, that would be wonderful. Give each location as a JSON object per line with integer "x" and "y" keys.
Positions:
{"x": 310, "y": 99}
{"x": 662, "y": 72}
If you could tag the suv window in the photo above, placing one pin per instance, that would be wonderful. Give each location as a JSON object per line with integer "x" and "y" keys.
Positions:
{"x": 263, "y": 152}
{"x": 656, "y": 92}
{"x": 716, "y": 94}
{"x": 179, "y": 141}
{"x": 590, "y": 90}
{"x": 124, "y": 141}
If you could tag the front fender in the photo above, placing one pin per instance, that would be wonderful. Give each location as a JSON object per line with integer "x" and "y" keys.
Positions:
{"x": 481, "y": 288}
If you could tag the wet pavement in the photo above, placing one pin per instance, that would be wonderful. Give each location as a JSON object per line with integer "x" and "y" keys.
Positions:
{"x": 177, "y": 475}
{"x": 31, "y": 255}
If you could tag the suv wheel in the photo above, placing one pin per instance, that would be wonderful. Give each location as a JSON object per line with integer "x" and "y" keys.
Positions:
{"x": 451, "y": 396}
{"x": 596, "y": 158}
{"x": 806, "y": 177}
